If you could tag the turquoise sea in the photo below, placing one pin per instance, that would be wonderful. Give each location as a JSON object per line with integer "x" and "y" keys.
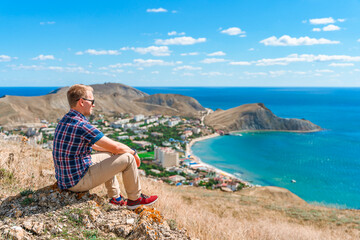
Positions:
{"x": 325, "y": 165}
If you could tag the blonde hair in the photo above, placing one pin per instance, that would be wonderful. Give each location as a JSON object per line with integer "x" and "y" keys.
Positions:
{"x": 76, "y": 92}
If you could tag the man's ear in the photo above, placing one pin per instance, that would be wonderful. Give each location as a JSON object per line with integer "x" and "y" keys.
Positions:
{"x": 80, "y": 103}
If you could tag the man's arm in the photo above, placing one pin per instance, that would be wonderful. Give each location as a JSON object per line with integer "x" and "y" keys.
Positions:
{"x": 105, "y": 144}
{"x": 98, "y": 148}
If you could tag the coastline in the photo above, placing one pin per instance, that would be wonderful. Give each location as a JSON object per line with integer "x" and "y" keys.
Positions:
{"x": 265, "y": 130}
{"x": 198, "y": 160}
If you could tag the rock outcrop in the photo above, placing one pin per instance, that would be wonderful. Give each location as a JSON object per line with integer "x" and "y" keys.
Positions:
{"x": 50, "y": 213}
{"x": 255, "y": 117}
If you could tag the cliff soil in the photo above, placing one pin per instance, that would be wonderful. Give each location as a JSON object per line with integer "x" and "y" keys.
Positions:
{"x": 256, "y": 213}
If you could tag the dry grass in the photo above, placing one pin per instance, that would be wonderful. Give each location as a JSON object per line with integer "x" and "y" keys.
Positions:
{"x": 205, "y": 214}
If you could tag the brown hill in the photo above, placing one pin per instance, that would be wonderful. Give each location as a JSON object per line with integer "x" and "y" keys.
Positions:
{"x": 172, "y": 104}
{"x": 256, "y": 213}
{"x": 255, "y": 117}
{"x": 274, "y": 194}
{"x": 110, "y": 98}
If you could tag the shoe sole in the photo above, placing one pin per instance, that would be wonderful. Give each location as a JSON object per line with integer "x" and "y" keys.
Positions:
{"x": 136, "y": 206}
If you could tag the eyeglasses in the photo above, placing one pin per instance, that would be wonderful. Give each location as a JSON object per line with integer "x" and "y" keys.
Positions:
{"x": 92, "y": 101}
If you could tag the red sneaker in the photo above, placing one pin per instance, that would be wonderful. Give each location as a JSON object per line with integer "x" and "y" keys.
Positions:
{"x": 142, "y": 200}
{"x": 118, "y": 201}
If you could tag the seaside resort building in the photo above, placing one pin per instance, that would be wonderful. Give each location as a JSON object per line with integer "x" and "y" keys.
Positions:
{"x": 167, "y": 157}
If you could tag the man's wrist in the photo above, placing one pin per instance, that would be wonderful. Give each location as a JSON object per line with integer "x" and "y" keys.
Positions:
{"x": 134, "y": 152}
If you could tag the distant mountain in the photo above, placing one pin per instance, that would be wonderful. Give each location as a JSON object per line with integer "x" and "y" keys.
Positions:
{"x": 110, "y": 98}
{"x": 255, "y": 117}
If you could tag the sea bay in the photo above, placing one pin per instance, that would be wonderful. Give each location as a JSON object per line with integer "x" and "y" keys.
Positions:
{"x": 325, "y": 164}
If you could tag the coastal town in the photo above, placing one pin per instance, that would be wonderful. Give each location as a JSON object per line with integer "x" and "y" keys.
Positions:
{"x": 162, "y": 142}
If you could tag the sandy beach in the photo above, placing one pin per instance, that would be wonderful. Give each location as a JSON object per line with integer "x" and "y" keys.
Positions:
{"x": 198, "y": 160}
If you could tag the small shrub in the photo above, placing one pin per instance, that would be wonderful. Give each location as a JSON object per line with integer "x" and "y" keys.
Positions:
{"x": 172, "y": 224}
{"x": 26, "y": 192}
{"x": 240, "y": 186}
{"x": 27, "y": 201}
{"x": 91, "y": 234}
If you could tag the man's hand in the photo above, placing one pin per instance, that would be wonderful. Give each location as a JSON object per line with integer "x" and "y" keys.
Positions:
{"x": 138, "y": 161}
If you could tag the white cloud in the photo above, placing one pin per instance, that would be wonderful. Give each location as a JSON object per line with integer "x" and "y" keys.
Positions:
{"x": 155, "y": 72}
{"x": 52, "y": 68}
{"x": 212, "y": 74}
{"x": 179, "y": 41}
{"x": 213, "y": 60}
{"x": 341, "y": 64}
{"x": 153, "y": 62}
{"x": 298, "y": 72}
{"x": 240, "y": 63}
{"x": 341, "y": 19}
{"x": 305, "y": 58}
{"x": 174, "y": 33}
{"x": 233, "y": 31}
{"x": 117, "y": 71}
{"x": 356, "y": 70}
{"x": 331, "y": 27}
{"x": 218, "y": 53}
{"x": 358, "y": 40}
{"x": 139, "y": 63}
{"x": 153, "y": 50}
{"x": 324, "y": 71}
{"x": 173, "y": 11}
{"x": 251, "y": 49}
{"x": 188, "y": 74}
{"x": 289, "y": 41}
{"x": 187, "y": 67}
{"x": 316, "y": 29}
{"x": 277, "y": 73}
{"x": 189, "y": 54}
{"x": 44, "y": 57}
{"x": 255, "y": 73}
{"x": 5, "y": 58}
{"x": 156, "y": 10}
{"x": 47, "y": 23}
{"x": 317, "y": 21}
{"x": 101, "y": 52}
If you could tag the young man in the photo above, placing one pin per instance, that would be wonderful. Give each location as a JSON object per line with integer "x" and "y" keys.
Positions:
{"x": 77, "y": 170}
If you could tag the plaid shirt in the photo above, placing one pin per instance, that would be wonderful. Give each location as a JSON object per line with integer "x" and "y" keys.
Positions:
{"x": 73, "y": 139}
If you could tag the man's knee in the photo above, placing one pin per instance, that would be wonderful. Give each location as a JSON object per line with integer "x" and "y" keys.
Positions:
{"x": 130, "y": 158}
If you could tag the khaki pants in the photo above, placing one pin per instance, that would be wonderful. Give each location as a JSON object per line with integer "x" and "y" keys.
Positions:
{"x": 104, "y": 169}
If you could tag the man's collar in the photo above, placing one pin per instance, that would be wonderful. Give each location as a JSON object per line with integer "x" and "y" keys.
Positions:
{"x": 73, "y": 111}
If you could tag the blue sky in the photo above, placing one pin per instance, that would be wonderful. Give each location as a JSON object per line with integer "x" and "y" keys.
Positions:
{"x": 180, "y": 43}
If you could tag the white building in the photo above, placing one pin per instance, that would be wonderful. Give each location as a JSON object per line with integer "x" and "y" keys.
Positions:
{"x": 167, "y": 157}
{"x": 172, "y": 123}
{"x": 142, "y": 144}
{"x": 139, "y": 117}
{"x": 119, "y": 123}
{"x": 48, "y": 131}
{"x": 162, "y": 121}
{"x": 196, "y": 130}
{"x": 151, "y": 120}
{"x": 123, "y": 137}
